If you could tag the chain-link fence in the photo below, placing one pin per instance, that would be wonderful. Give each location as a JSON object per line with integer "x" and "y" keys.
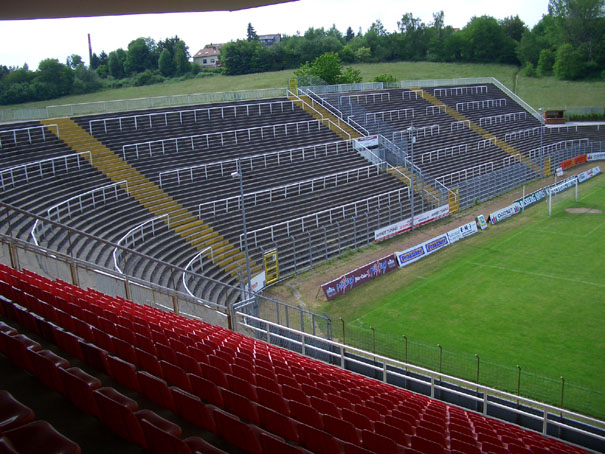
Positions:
{"x": 519, "y": 380}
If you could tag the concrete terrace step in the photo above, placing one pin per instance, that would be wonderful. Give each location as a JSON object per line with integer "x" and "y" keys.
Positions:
{"x": 193, "y": 230}
{"x": 512, "y": 151}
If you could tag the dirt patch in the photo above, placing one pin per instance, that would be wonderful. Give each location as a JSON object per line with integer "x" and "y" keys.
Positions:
{"x": 583, "y": 211}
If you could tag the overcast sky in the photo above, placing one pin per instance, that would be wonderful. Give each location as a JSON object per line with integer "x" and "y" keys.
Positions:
{"x": 34, "y": 40}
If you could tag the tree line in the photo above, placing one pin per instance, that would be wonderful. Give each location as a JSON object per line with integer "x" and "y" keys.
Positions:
{"x": 144, "y": 62}
{"x": 568, "y": 42}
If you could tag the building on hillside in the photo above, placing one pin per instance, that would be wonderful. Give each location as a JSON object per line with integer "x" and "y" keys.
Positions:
{"x": 209, "y": 56}
{"x": 269, "y": 40}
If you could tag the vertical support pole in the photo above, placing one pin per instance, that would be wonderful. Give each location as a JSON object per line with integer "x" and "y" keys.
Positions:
{"x": 344, "y": 339}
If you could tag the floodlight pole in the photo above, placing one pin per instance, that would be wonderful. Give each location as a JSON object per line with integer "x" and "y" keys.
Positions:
{"x": 412, "y": 139}
{"x": 239, "y": 174}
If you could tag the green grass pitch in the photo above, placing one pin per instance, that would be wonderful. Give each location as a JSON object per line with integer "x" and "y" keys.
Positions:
{"x": 529, "y": 291}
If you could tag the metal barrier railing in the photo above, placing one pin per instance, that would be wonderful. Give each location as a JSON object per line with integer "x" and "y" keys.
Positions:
{"x": 29, "y": 132}
{"x": 388, "y": 368}
{"x": 56, "y": 209}
{"x": 7, "y": 176}
{"x": 130, "y": 235}
{"x": 208, "y": 110}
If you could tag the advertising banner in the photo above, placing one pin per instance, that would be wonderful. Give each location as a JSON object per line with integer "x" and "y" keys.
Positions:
{"x": 417, "y": 252}
{"x": 561, "y": 185}
{"x": 481, "y": 222}
{"x": 504, "y": 213}
{"x": 531, "y": 199}
{"x": 595, "y": 157}
{"x": 368, "y": 141}
{"x": 573, "y": 161}
{"x": 405, "y": 225}
{"x": 258, "y": 282}
{"x": 462, "y": 232}
{"x": 359, "y": 276}
{"x": 582, "y": 177}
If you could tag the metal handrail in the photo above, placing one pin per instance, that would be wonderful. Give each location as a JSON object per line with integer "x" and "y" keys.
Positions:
{"x": 117, "y": 250}
{"x": 199, "y": 254}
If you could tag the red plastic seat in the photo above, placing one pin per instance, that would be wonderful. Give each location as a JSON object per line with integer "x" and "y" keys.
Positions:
{"x": 214, "y": 374}
{"x": 424, "y": 445}
{"x": 95, "y": 356}
{"x": 397, "y": 434}
{"x": 294, "y": 394}
{"x": 12, "y": 412}
{"x": 124, "y": 350}
{"x": 123, "y": 372}
{"x": 200, "y": 446}
{"x": 273, "y": 400}
{"x": 188, "y": 363}
{"x": 379, "y": 443}
{"x": 103, "y": 339}
{"x": 148, "y": 362}
{"x": 437, "y": 437}
{"x": 306, "y": 415}
{"x": 358, "y": 420}
{"x": 278, "y": 423}
{"x": 220, "y": 363}
{"x": 69, "y": 343}
{"x": 46, "y": 365}
{"x": 16, "y": 349}
{"x": 40, "y": 437}
{"x": 206, "y": 390}
{"x": 166, "y": 352}
{"x": 236, "y": 432}
{"x": 341, "y": 429}
{"x": 192, "y": 409}
{"x": 240, "y": 406}
{"x": 155, "y": 389}
{"x": 162, "y": 436}
{"x": 175, "y": 375}
{"x": 464, "y": 447}
{"x": 79, "y": 387}
{"x": 318, "y": 441}
{"x": 117, "y": 411}
{"x": 272, "y": 444}
{"x": 242, "y": 387}
{"x": 268, "y": 383}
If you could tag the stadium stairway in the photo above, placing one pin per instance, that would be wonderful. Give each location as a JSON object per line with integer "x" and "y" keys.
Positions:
{"x": 404, "y": 175}
{"x": 512, "y": 151}
{"x": 336, "y": 125}
{"x": 193, "y": 230}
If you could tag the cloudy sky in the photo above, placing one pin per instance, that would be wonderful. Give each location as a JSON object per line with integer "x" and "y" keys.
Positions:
{"x": 34, "y": 40}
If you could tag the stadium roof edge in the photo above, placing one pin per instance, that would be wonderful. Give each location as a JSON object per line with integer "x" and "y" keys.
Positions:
{"x": 43, "y": 9}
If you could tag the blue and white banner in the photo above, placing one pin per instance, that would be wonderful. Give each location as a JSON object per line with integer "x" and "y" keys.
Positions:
{"x": 582, "y": 177}
{"x": 462, "y": 232}
{"x": 562, "y": 185}
{"x": 422, "y": 250}
{"x": 595, "y": 157}
{"x": 405, "y": 225}
{"x": 531, "y": 199}
{"x": 504, "y": 213}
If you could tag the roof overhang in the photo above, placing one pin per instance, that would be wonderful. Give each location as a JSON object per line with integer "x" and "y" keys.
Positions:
{"x": 44, "y": 9}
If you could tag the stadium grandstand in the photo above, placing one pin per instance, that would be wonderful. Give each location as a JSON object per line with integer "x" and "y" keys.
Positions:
{"x": 136, "y": 238}
{"x": 181, "y": 209}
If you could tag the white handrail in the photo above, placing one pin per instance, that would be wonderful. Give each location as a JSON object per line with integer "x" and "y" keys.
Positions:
{"x": 198, "y": 255}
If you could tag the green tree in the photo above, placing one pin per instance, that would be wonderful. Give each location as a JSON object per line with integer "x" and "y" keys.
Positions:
{"x": 568, "y": 63}
{"x": 580, "y": 21}
{"x": 350, "y": 34}
{"x": 59, "y": 78}
{"x": 73, "y": 61}
{"x": 115, "y": 65}
{"x": 327, "y": 67}
{"x": 546, "y": 62}
{"x": 181, "y": 61}
{"x": 86, "y": 80}
{"x": 140, "y": 56}
{"x": 363, "y": 54}
{"x": 166, "y": 64}
{"x": 251, "y": 33}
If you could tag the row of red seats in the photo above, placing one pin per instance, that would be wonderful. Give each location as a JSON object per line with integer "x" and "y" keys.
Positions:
{"x": 250, "y": 378}
{"x": 143, "y": 427}
{"x": 20, "y": 433}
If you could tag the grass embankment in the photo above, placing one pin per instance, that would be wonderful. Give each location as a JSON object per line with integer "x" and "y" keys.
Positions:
{"x": 547, "y": 92}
